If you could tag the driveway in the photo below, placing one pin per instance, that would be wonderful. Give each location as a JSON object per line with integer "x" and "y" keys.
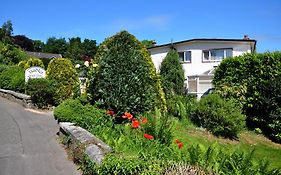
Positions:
{"x": 28, "y": 143}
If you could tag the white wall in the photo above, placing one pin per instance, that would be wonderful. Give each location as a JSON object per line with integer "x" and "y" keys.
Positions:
{"x": 197, "y": 66}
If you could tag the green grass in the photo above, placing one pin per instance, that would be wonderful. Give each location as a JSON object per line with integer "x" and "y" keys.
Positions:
{"x": 247, "y": 141}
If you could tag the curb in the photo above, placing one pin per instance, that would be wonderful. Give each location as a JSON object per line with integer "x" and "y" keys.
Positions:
{"x": 95, "y": 148}
{"x": 22, "y": 99}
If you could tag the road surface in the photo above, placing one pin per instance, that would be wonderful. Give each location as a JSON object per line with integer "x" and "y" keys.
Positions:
{"x": 28, "y": 143}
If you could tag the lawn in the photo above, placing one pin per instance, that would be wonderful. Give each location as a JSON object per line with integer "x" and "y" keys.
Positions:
{"x": 247, "y": 141}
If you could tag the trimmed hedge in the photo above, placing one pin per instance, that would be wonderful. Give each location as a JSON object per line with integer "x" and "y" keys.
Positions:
{"x": 172, "y": 73}
{"x": 220, "y": 117}
{"x": 31, "y": 62}
{"x": 126, "y": 79}
{"x": 251, "y": 80}
{"x": 65, "y": 78}
{"x": 12, "y": 78}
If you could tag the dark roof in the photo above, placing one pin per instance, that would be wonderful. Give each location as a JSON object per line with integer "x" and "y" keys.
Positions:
{"x": 204, "y": 39}
{"x": 44, "y": 55}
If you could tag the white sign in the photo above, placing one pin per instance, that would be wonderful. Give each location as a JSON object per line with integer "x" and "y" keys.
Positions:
{"x": 34, "y": 72}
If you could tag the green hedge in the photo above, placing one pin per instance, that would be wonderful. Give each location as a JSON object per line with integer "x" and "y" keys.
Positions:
{"x": 30, "y": 63}
{"x": 65, "y": 78}
{"x": 249, "y": 79}
{"x": 126, "y": 79}
{"x": 172, "y": 74}
{"x": 221, "y": 117}
{"x": 12, "y": 78}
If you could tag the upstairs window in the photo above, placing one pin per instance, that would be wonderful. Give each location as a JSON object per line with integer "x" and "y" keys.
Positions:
{"x": 216, "y": 54}
{"x": 185, "y": 56}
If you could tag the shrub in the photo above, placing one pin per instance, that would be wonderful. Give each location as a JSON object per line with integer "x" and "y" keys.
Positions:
{"x": 64, "y": 75}
{"x": 11, "y": 55}
{"x": 250, "y": 80}
{"x": 181, "y": 106}
{"x": 125, "y": 79}
{"x": 12, "y": 78}
{"x": 30, "y": 63}
{"x": 172, "y": 73}
{"x": 220, "y": 117}
{"x": 41, "y": 91}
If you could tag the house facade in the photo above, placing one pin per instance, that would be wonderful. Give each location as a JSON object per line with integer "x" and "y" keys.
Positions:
{"x": 199, "y": 58}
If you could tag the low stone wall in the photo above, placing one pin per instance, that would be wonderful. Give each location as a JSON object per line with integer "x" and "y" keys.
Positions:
{"x": 23, "y": 99}
{"x": 94, "y": 147}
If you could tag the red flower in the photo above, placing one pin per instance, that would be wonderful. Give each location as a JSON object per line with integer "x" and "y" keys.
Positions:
{"x": 135, "y": 124}
{"x": 110, "y": 112}
{"x": 127, "y": 115}
{"x": 149, "y": 137}
{"x": 144, "y": 120}
{"x": 177, "y": 141}
{"x": 180, "y": 145}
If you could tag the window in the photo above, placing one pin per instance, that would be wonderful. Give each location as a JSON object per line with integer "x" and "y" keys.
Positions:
{"x": 216, "y": 54}
{"x": 185, "y": 56}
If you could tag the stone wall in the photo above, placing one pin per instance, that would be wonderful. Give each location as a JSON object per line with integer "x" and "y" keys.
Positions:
{"x": 23, "y": 99}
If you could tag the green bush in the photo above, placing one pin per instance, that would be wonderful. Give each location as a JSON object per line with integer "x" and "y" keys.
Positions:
{"x": 181, "y": 106}
{"x": 172, "y": 73}
{"x": 64, "y": 75}
{"x": 126, "y": 79}
{"x": 249, "y": 79}
{"x": 220, "y": 117}
{"x": 11, "y": 55}
{"x": 41, "y": 91}
{"x": 12, "y": 78}
{"x": 30, "y": 63}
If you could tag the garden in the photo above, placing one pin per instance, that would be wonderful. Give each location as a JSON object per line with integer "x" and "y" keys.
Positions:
{"x": 152, "y": 126}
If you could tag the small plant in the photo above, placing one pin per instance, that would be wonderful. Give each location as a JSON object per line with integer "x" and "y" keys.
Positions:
{"x": 220, "y": 117}
{"x": 41, "y": 91}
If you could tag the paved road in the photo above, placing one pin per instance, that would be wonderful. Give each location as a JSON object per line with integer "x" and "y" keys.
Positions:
{"x": 28, "y": 143}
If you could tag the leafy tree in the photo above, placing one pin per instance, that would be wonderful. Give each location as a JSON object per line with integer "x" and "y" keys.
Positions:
{"x": 126, "y": 79}
{"x": 54, "y": 45}
{"x": 148, "y": 43}
{"x": 74, "y": 49}
{"x": 6, "y": 32}
{"x": 172, "y": 73}
{"x": 24, "y": 42}
{"x": 89, "y": 47}
{"x": 38, "y": 45}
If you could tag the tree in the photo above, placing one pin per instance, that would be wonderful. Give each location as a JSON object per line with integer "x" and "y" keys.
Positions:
{"x": 24, "y": 42}
{"x": 54, "y": 45}
{"x": 148, "y": 43}
{"x": 126, "y": 79}
{"x": 89, "y": 47}
{"x": 6, "y": 32}
{"x": 172, "y": 73}
{"x": 74, "y": 49}
{"x": 38, "y": 45}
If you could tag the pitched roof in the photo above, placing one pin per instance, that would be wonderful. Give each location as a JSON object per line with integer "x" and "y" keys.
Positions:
{"x": 208, "y": 40}
{"x": 44, "y": 55}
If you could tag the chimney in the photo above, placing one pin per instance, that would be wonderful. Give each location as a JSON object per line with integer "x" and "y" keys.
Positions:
{"x": 246, "y": 37}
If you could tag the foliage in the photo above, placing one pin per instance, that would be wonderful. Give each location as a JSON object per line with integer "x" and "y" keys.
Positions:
{"x": 38, "y": 45}
{"x": 181, "y": 106}
{"x": 148, "y": 43}
{"x": 65, "y": 78}
{"x": 172, "y": 73}
{"x": 24, "y": 42}
{"x": 250, "y": 80}
{"x": 220, "y": 117}
{"x": 125, "y": 79}
{"x": 41, "y": 91}
{"x": 6, "y": 32}
{"x": 31, "y": 62}
{"x": 11, "y": 55}
{"x": 55, "y": 45}
{"x": 12, "y": 78}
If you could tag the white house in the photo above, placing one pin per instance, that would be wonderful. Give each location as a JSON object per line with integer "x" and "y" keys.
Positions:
{"x": 199, "y": 57}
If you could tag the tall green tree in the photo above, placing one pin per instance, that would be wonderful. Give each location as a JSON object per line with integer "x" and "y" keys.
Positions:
{"x": 55, "y": 45}
{"x": 38, "y": 45}
{"x": 6, "y": 32}
{"x": 148, "y": 43}
{"x": 172, "y": 73}
{"x": 89, "y": 47}
{"x": 74, "y": 49}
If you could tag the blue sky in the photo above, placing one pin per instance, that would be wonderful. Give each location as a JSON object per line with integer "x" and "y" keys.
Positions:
{"x": 160, "y": 20}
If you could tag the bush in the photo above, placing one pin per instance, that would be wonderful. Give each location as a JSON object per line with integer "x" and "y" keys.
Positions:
{"x": 249, "y": 79}
{"x": 220, "y": 117}
{"x": 172, "y": 73}
{"x": 181, "y": 106}
{"x": 41, "y": 91}
{"x": 11, "y": 55}
{"x": 12, "y": 78}
{"x": 64, "y": 75}
{"x": 126, "y": 79}
{"x": 30, "y": 63}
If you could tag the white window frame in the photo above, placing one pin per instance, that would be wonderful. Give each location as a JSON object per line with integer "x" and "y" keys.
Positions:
{"x": 211, "y": 58}
{"x": 184, "y": 56}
